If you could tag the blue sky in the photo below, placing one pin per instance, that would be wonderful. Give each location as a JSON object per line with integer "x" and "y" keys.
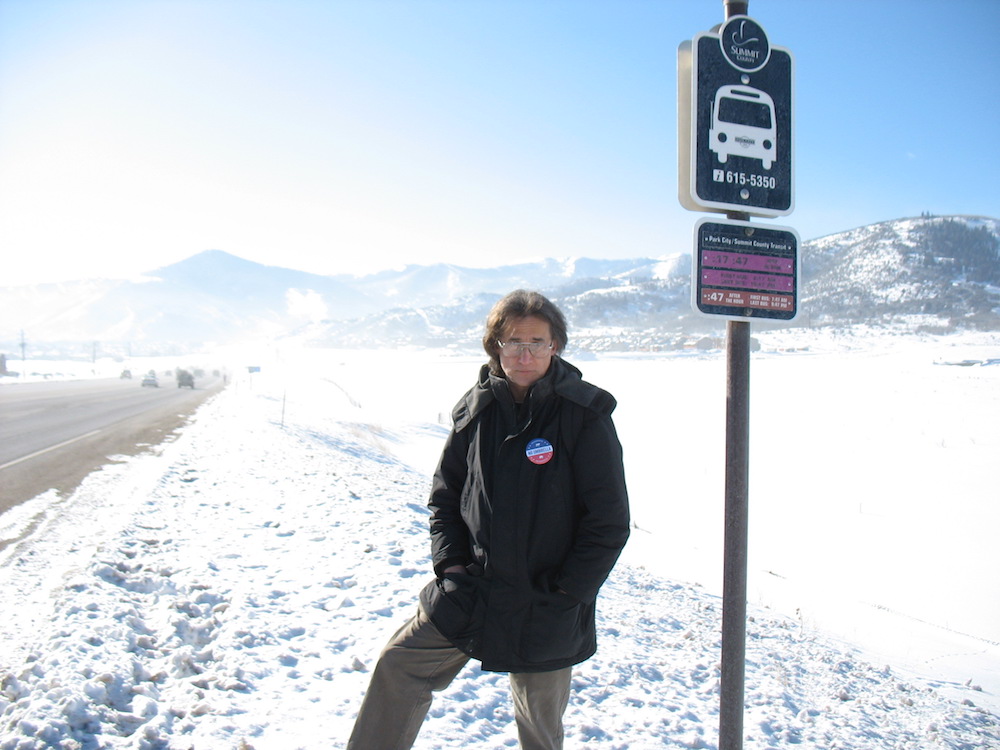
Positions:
{"x": 349, "y": 137}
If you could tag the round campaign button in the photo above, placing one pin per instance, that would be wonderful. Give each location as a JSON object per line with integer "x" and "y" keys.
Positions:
{"x": 539, "y": 451}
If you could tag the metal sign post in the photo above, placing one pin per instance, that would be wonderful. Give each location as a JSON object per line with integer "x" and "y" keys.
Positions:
{"x": 734, "y": 573}
{"x": 735, "y": 102}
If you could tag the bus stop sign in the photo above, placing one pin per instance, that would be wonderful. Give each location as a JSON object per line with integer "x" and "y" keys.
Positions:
{"x": 735, "y": 101}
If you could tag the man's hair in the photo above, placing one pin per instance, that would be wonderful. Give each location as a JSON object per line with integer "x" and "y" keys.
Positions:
{"x": 520, "y": 304}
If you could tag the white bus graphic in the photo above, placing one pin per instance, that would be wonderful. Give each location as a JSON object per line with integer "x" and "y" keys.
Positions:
{"x": 743, "y": 125}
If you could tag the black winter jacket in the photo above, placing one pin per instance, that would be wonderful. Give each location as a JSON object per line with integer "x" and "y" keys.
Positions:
{"x": 532, "y": 501}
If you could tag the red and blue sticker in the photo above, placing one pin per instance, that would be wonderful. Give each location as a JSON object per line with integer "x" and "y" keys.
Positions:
{"x": 539, "y": 451}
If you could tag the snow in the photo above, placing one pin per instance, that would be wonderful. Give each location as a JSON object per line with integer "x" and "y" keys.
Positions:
{"x": 232, "y": 588}
{"x": 669, "y": 266}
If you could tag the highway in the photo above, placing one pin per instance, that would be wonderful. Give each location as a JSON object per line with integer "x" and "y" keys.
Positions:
{"x": 52, "y": 434}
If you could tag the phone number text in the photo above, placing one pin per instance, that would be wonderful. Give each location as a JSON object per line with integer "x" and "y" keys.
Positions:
{"x": 744, "y": 179}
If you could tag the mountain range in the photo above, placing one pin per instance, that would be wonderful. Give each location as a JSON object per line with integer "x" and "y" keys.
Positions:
{"x": 928, "y": 273}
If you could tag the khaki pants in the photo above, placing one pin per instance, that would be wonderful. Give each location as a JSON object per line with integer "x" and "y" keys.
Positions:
{"x": 418, "y": 661}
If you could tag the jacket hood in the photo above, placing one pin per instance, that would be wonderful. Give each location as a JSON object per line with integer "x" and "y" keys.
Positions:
{"x": 562, "y": 379}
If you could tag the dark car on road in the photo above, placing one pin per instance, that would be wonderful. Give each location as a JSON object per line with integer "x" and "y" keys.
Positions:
{"x": 185, "y": 379}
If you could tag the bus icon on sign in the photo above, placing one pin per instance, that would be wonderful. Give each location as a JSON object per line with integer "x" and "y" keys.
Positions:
{"x": 743, "y": 124}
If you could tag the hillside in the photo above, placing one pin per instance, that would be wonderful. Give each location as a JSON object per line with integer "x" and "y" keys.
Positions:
{"x": 930, "y": 274}
{"x": 944, "y": 268}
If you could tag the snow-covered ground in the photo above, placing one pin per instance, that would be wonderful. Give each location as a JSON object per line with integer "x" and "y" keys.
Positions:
{"x": 232, "y": 588}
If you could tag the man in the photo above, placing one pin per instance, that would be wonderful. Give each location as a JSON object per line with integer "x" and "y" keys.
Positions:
{"x": 529, "y": 513}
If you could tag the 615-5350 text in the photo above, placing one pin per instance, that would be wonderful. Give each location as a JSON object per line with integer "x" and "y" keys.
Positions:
{"x": 742, "y": 178}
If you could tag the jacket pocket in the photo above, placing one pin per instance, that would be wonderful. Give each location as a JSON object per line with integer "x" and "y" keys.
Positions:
{"x": 558, "y": 627}
{"x": 457, "y": 607}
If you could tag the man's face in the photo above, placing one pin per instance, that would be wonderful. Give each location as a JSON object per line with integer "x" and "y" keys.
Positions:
{"x": 522, "y": 368}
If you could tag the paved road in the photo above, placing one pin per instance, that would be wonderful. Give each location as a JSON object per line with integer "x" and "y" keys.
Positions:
{"x": 53, "y": 434}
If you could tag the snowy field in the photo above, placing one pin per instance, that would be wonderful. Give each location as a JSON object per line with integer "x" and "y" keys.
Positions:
{"x": 232, "y": 588}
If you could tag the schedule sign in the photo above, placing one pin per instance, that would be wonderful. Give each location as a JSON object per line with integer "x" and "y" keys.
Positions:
{"x": 735, "y": 100}
{"x": 745, "y": 270}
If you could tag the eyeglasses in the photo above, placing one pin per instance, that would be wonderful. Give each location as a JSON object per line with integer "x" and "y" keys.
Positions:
{"x": 517, "y": 348}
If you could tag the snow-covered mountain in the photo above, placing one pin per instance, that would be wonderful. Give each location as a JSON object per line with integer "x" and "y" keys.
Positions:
{"x": 211, "y": 297}
{"x": 933, "y": 273}
{"x": 946, "y": 268}
{"x": 936, "y": 274}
